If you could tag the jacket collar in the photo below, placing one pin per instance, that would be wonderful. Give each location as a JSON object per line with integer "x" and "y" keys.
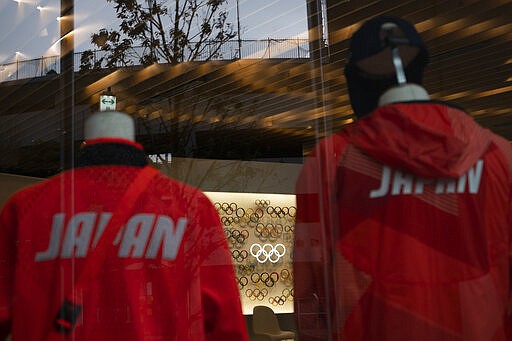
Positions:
{"x": 111, "y": 152}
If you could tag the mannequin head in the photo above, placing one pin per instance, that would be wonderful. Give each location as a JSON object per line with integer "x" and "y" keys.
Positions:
{"x": 370, "y": 71}
{"x": 109, "y": 124}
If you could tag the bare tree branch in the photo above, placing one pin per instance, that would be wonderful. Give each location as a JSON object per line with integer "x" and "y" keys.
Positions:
{"x": 192, "y": 29}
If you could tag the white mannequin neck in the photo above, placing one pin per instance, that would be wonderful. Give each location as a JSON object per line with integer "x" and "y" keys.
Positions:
{"x": 404, "y": 93}
{"x": 113, "y": 124}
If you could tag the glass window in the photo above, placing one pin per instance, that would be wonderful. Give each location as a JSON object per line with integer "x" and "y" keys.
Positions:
{"x": 239, "y": 106}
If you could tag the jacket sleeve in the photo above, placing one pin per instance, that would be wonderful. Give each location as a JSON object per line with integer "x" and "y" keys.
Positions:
{"x": 7, "y": 263}
{"x": 508, "y": 322}
{"x": 220, "y": 297}
{"x": 506, "y": 150}
{"x": 313, "y": 268}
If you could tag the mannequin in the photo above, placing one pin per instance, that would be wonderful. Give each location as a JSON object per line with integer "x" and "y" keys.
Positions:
{"x": 109, "y": 124}
{"x": 106, "y": 193}
{"x": 371, "y": 245}
{"x": 110, "y": 139}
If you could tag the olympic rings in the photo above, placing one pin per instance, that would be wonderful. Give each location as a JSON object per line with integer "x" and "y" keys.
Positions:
{"x": 246, "y": 269}
{"x": 289, "y": 228}
{"x": 268, "y": 252}
{"x": 226, "y": 208}
{"x": 270, "y": 282}
{"x": 262, "y": 203}
{"x": 276, "y": 211}
{"x": 274, "y": 276}
{"x": 268, "y": 279}
{"x": 255, "y": 277}
{"x": 239, "y": 256}
{"x": 256, "y": 294}
{"x": 269, "y": 231}
{"x": 261, "y": 231}
{"x": 227, "y": 221}
{"x": 254, "y": 217}
{"x": 236, "y": 236}
{"x": 277, "y": 300}
{"x": 288, "y": 294}
{"x": 242, "y": 282}
{"x": 240, "y": 212}
{"x": 275, "y": 230}
{"x": 262, "y": 206}
{"x": 285, "y": 274}
{"x": 244, "y": 234}
{"x": 264, "y": 277}
{"x": 264, "y": 293}
{"x": 279, "y": 211}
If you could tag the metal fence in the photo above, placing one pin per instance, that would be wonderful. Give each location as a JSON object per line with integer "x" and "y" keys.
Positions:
{"x": 245, "y": 49}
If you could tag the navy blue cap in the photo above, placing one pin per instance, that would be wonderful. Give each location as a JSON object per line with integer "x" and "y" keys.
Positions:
{"x": 367, "y": 42}
{"x": 364, "y": 89}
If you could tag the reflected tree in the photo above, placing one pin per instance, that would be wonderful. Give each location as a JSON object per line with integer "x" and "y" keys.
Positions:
{"x": 156, "y": 31}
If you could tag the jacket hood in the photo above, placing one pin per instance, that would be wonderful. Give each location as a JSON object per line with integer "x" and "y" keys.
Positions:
{"x": 429, "y": 139}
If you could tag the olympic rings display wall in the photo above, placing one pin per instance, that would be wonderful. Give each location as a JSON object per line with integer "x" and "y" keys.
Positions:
{"x": 259, "y": 229}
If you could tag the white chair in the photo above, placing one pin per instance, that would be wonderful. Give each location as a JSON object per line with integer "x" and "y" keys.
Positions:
{"x": 264, "y": 323}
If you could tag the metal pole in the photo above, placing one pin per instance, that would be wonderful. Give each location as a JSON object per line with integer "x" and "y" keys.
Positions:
{"x": 150, "y": 5}
{"x": 238, "y": 23}
{"x": 67, "y": 84}
{"x": 323, "y": 127}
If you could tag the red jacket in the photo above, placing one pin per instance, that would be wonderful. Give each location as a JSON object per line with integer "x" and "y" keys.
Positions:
{"x": 404, "y": 230}
{"x": 169, "y": 275}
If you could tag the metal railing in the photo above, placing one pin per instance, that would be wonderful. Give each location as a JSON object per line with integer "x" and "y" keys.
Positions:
{"x": 250, "y": 49}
